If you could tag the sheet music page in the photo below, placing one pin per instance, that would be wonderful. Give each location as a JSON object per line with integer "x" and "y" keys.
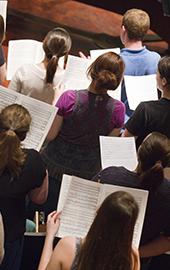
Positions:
{"x": 96, "y": 53}
{"x": 23, "y": 51}
{"x": 140, "y": 196}
{"x": 140, "y": 88}
{"x": 75, "y": 75}
{"x": 42, "y": 115}
{"x": 80, "y": 207}
{"x": 118, "y": 151}
{"x": 3, "y": 10}
{"x": 66, "y": 181}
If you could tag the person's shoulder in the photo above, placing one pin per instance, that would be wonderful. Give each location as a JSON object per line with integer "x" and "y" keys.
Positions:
{"x": 67, "y": 245}
{"x": 68, "y": 241}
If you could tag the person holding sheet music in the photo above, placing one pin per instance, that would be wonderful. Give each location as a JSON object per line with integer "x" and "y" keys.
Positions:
{"x": 43, "y": 81}
{"x": 154, "y": 115}
{"x": 138, "y": 59}
{"x": 153, "y": 157}
{"x": 22, "y": 174}
{"x": 82, "y": 116}
{"x": 2, "y": 57}
{"x": 108, "y": 244}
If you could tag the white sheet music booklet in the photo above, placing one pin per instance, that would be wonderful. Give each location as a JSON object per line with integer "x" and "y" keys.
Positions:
{"x": 79, "y": 200}
{"x": 42, "y": 115}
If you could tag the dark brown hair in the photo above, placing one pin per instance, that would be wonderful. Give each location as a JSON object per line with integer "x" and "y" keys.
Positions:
{"x": 56, "y": 44}
{"x": 136, "y": 23}
{"x": 153, "y": 157}
{"x": 164, "y": 68}
{"x": 2, "y": 29}
{"x": 14, "y": 124}
{"x": 108, "y": 244}
{"x": 107, "y": 71}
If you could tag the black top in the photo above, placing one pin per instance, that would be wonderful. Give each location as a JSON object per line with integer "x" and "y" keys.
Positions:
{"x": 150, "y": 116}
{"x": 157, "y": 217}
{"x": 13, "y": 194}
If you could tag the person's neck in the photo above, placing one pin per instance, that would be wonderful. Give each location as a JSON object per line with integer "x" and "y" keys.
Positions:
{"x": 92, "y": 89}
{"x": 43, "y": 64}
{"x": 133, "y": 45}
{"x": 166, "y": 94}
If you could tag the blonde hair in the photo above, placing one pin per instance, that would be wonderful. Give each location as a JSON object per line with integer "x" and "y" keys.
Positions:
{"x": 136, "y": 23}
{"x": 14, "y": 124}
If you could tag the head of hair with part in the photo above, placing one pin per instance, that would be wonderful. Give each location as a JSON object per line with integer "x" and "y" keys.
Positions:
{"x": 2, "y": 29}
{"x": 153, "y": 157}
{"x": 136, "y": 23}
{"x": 164, "y": 70}
{"x": 56, "y": 44}
{"x": 106, "y": 72}
{"x": 15, "y": 122}
{"x": 108, "y": 244}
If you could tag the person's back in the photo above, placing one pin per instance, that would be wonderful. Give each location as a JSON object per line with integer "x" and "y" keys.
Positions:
{"x": 44, "y": 81}
{"x": 138, "y": 59}
{"x": 22, "y": 173}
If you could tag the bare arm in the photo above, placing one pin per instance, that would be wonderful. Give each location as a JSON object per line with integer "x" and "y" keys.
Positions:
{"x": 135, "y": 259}
{"x": 39, "y": 195}
{"x": 115, "y": 132}
{"x": 1, "y": 239}
{"x": 55, "y": 128}
{"x": 2, "y": 73}
{"x": 156, "y": 247}
{"x": 53, "y": 223}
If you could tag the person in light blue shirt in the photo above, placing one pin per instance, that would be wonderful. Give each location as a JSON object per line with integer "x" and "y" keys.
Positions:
{"x": 138, "y": 59}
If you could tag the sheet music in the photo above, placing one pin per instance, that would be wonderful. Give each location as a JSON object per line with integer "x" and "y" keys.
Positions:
{"x": 75, "y": 75}
{"x": 3, "y": 10}
{"x": 140, "y": 88}
{"x": 42, "y": 115}
{"x": 140, "y": 196}
{"x": 96, "y": 53}
{"x": 118, "y": 151}
{"x": 66, "y": 180}
{"x": 83, "y": 199}
{"x": 80, "y": 207}
{"x": 23, "y": 51}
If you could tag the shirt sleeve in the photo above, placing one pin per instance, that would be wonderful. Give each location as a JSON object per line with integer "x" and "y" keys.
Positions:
{"x": 118, "y": 115}
{"x": 136, "y": 124}
{"x": 16, "y": 82}
{"x": 66, "y": 103}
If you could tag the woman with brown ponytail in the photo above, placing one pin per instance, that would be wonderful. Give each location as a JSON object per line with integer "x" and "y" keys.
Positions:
{"x": 22, "y": 173}
{"x": 43, "y": 81}
{"x": 153, "y": 157}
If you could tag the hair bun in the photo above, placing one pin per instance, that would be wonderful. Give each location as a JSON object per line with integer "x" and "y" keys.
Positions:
{"x": 106, "y": 79}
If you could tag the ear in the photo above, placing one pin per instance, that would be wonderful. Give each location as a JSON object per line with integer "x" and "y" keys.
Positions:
{"x": 164, "y": 81}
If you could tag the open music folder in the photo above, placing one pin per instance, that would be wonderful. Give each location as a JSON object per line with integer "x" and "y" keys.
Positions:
{"x": 42, "y": 115}
{"x": 79, "y": 200}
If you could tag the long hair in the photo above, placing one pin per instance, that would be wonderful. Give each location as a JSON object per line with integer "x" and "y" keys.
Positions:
{"x": 14, "y": 124}
{"x": 136, "y": 23}
{"x": 153, "y": 157}
{"x": 107, "y": 71}
{"x": 164, "y": 68}
{"x": 56, "y": 44}
{"x": 2, "y": 29}
{"x": 108, "y": 244}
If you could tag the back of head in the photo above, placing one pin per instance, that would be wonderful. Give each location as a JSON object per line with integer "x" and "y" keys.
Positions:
{"x": 14, "y": 124}
{"x": 108, "y": 244}
{"x": 2, "y": 29}
{"x": 164, "y": 68}
{"x": 153, "y": 157}
{"x": 136, "y": 23}
{"x": 107, "y": 71}
{"x": 56, "y": 44}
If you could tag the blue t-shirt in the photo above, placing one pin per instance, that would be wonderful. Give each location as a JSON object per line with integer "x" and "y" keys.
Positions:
{"x": 138, "y": 63}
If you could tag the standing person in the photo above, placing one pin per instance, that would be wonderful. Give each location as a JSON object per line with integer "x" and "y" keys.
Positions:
{"x": 43, "y": 81}
{"x": 108, "y": 244}
{"x": 2, "y": 57}
{"x": 153, "y": 157}
{"x": 154, "y": 115}
{"x": 82, "y": 117}
{"x": 22, "y": 174}
{"x": 138, "y": 59}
